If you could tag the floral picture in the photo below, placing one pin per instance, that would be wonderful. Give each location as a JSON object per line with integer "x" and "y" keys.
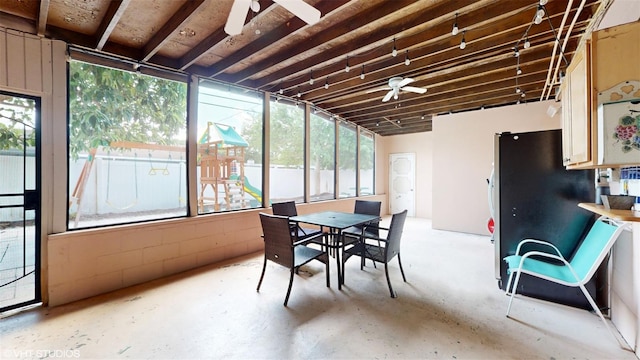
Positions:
{"x": 627, "y": 132}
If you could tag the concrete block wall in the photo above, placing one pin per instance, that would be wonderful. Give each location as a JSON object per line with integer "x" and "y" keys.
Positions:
{"x": 90, "y": 262}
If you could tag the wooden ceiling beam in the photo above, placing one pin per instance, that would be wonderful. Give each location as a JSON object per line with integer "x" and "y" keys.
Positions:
{"x": 429, "y": 58}
{"x": 43, "y": 14}
{"x": 493, "y": 70}
{"x": 213, "y": 39}
{"x": 334, "y": 32}
{"x": 423, "y": 44}
{"x": 278, "y": 34}
{"x": 109, "y": 21}
{"x": 170, "y": 28}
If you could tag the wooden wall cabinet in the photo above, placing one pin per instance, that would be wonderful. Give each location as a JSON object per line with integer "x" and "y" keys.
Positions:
{"x": 576, "y": 109}
{"x": 609, "y": 58}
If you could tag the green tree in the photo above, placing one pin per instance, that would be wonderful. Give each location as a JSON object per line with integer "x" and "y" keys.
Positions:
{"x": 17, "y": 122}
{"x": 107, "y": 105}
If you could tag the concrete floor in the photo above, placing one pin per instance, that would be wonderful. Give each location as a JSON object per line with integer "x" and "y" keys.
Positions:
{"x": 450, "y": 307}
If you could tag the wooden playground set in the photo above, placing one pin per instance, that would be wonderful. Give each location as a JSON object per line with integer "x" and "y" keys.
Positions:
{"x": 221, "y": 158}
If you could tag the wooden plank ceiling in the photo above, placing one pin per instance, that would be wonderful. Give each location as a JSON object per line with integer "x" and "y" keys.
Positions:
{"x": 280, "y": 53}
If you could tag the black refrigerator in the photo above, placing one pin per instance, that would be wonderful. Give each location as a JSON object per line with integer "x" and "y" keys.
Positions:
{"x": 534, "y": 196}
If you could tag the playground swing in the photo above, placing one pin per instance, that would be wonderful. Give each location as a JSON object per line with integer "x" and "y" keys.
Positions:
{"x": 154, "y": 170}
{"x": 135, "y": 175}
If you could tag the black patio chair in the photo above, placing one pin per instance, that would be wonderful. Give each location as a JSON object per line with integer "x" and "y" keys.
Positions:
{"x": 280, "y": 246}
{"x": 309, "y": 235}
{"x": 384, "y": 252}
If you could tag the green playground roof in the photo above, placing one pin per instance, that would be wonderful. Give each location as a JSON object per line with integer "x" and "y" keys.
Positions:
{"x": 227, "y": 135}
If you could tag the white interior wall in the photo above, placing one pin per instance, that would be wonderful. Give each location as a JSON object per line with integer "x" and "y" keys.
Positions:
{"x": 463, "y": 157}
{"x": 422, "y": 145}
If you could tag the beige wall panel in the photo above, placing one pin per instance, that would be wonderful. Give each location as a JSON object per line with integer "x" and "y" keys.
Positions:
{"x": 3, "y": 57}
{"x": 46, "y": 53}
{"x": 58, "y": 125}
{"x": 15, "y": 60}
{"x": 33, "y": 63}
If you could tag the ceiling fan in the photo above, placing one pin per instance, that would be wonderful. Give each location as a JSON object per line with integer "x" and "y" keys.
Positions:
{"x": 299, "y": 8}
{"x": 396, "y": 84}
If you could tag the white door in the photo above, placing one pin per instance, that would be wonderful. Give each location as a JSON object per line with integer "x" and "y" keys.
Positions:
{"x": 402, "y": 178}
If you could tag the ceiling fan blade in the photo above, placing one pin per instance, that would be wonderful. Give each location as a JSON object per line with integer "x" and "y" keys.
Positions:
{"x": 235, "y": 20}
{"x": 405, "y": 81}
{"x": 388, "y": 96}
{"x": 386, "y": 88}
{"x": 414, "y": 89}
{"x": 301, "y": 9}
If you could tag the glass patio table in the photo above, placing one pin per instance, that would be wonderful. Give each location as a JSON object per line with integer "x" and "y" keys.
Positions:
{"x": 336, "y": 222}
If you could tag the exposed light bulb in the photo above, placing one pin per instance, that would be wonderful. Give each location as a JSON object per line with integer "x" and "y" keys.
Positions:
{"x": 347, "y": 68}
{"x": 539, "y": 15}
{"x": 454, "y": 31}
{"x": 281, "y": 91}
{"x": 311, "y": 81}
{"x": 522, "y": 95}
{"x": 299, "y": 94}
{"x": 377, "y": 123}
{"x": 362, "y": 73}
{"x": 407, "y": 61}
{"x": 326, "y": 83}
{"x": 518, "y": 90}
{"x": 394, "y": 52}
{"x": 527, "y": 44}
{"x": 518, "y": 71}
{"x": 255, "y": 6}
{"x": 543, "y": 2}
{"x": 310, "y": 77}
{"x": 422, "y": 117}
{"x": 516, "y": 52}
{"x": 463, "y": 44}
